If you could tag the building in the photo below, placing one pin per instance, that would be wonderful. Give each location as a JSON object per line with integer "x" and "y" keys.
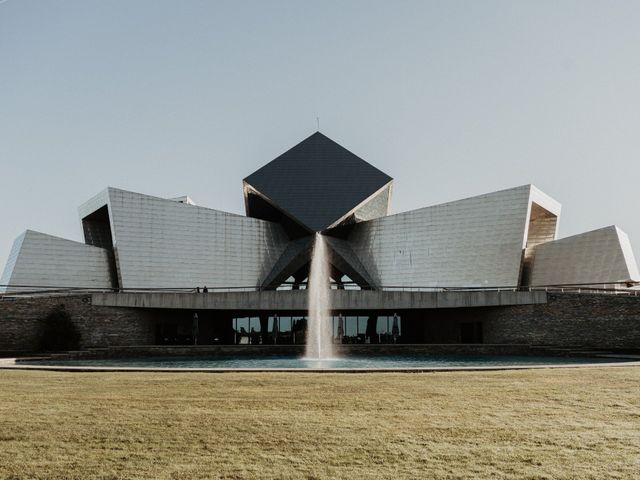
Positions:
{"x": 486, "y": 251}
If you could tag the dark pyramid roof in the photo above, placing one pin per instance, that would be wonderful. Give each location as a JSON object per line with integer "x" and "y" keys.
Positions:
{"x": 317, "y": 182}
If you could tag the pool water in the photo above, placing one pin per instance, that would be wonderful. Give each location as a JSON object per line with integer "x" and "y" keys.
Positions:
{"x": 351, "y": 362}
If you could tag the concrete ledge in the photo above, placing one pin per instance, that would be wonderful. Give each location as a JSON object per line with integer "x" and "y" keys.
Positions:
{"x": 296, "y": 300}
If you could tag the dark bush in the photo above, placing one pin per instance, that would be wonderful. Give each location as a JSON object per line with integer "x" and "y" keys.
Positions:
{"x": 59, "y": 332}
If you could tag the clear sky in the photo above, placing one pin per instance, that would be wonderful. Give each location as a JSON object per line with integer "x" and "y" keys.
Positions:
{"x": 450, "y": 98}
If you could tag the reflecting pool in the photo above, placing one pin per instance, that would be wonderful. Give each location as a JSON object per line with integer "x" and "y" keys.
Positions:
{"x": 351, "y": 362}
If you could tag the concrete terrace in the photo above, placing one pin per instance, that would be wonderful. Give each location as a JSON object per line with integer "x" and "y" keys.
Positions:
{"x": 298, "y": 300}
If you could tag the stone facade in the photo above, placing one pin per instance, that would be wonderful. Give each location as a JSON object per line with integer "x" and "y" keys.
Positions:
{"x": 21, "y": 323}
{"x": 568, "y": 319}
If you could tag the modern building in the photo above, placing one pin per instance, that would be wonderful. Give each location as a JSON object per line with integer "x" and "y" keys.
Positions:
{"x": 152, "y": 253}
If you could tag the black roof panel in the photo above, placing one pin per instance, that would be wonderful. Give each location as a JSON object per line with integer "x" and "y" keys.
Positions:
{"x": 317, "y": 182}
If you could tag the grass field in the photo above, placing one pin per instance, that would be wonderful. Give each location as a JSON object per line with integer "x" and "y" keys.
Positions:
{"x": 568, "y": 423}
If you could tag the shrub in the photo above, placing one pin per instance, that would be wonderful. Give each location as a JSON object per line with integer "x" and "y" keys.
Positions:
{"x": 59, "y": 332}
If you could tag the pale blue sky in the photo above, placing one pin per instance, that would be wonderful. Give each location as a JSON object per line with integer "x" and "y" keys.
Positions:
{"x": 452, "y": 99}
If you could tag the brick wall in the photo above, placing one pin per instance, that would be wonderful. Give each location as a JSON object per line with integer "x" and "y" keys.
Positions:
{"x": 21, "y": 323}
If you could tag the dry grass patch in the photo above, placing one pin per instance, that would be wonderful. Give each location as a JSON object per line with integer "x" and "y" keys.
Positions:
{"x": 569, "y": 423}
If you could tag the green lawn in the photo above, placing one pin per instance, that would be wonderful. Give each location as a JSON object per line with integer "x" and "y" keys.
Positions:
{"x": 567, "y": 423}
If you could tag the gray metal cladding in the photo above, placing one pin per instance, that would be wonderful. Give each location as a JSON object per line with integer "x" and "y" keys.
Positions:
{"x": 319, "y": 182}
{"x": 602, "y": 256}
{"x": 467, "y": 243}
{"x": 375, "y": 207}
{"x": 295, "y": 255}
{"x": 503, "y": 238}
{"x": 11, "y": 262}
{"x": 40, "y": 260}
{"x": 344, "y": 259}
{"x": 166, "y": 244}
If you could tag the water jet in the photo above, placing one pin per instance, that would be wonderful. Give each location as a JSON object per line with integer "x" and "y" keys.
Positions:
{"x": 319, "y": 320}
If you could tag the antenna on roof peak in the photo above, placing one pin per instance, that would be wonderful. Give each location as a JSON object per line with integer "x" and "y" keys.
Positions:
{"x": 318, "y": 122}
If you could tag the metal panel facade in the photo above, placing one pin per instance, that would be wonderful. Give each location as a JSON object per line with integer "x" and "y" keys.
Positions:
{"x": 41, "y": 260}
{"x": 505, "y": 238}
{"x": 601, "y": 256}
{"x": 166, "y": 244}
{"x": 467, "y": 243}
{"x": 11, "y": 262}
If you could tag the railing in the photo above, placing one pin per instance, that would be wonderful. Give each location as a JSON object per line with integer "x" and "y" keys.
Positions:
{"x": 613, "y": 288}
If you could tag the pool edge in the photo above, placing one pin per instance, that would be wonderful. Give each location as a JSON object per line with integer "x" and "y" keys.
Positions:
{"x": 13, "y": 364}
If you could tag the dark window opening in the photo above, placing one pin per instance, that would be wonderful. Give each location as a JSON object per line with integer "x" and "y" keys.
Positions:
{"x": 97, "y": 232}
{"x": 97, "y": 229}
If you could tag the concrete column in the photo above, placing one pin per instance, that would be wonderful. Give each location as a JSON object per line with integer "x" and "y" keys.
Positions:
{"x": 264, "y": 328}
{"x": 372, "y": 322}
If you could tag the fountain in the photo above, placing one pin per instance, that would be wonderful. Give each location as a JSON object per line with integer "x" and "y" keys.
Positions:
{"x": 319, "y": 320}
